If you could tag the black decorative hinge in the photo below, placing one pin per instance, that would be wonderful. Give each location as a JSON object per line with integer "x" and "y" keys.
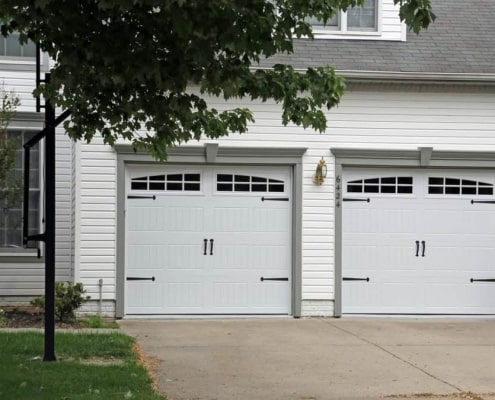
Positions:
{"x": 483, "y": 201}
{"x": 141, "y": 197}
{"x": 483, "y": 280}
{"x": 274, "y": 199}
{"x": 356, "y": 279}
{"x": 136, "y": 278}
{"x": 353, "y": 199}
{"x": 273, "y": 279}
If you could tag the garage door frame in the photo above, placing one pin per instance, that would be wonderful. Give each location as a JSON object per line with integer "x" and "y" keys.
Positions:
{"x": 423, "y": 157}
{"x": 213, "y": 154}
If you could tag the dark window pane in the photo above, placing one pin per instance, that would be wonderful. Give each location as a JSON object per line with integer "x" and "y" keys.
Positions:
{"x": 388, "y": 189}
{"x": 172, "y": 186}
{"x": 157, "y": 178}
{"x": 405, "y": 180}
{"x": 404, "y": 189}
{"x": 242, "y": 178}
{"x": 485, "y": 191}
{"x": 435, "y": 181}
{"x": 259, "y": 187}
{"x": 142, "y": 178}
{"x": 466, "y": 182}
{"x": 468, "y": 190}
{"x": 435, "y": 190}
{"x": 371, "y": 189}
{"x": 191, "y": 177}
{"x": 354, "y": 188}
{"x": 224, "y": 187}
{"x": 241, "y": 187}
{"x": 275, "y": 181}
{"x": 174, "y": 177}
{"x": 371, "y": 180}
{"x": 157, "y": 186}
{"x": 258, "y": 179}
{"x": 389, "y": 180}
{"x": 359, "y": 181}
{"x": 452, "y": 190}
{"x": 452, "y": 181}
{"x": 192, "y": 187}
{"x": 224, "y": 178}
{"x": 139, "y": 186}
{"x": 276, "y": 188}
{"x": 484, "y": 184}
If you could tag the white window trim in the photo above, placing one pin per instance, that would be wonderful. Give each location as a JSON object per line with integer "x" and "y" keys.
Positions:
{"x": 341, "y": 32}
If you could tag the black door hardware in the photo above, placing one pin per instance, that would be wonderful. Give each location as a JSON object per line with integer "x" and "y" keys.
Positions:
{"x": 483, "y": 280}
{"x": 355, "y": 279}
{"x": 211, "y": 247}
{"x": 136, "y": 278}
{"x": 423, "y": 243}
{"x": 273, "y": 279}
{"x": 141, "y": 197}
{"x": 483, "y": 201}
{"x": 205, "y": 241}
{"x": 417, "y": 248}
{"x": 274, "y": 199}
{"x": 353, "y": 199}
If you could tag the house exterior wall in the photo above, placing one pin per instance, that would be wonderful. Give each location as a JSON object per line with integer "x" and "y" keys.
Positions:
{"x": 372, "y": 116}
{"x": 22, "y": 277}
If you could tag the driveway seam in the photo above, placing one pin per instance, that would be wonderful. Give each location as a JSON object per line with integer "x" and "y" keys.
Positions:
{"x": 394, "y": 355}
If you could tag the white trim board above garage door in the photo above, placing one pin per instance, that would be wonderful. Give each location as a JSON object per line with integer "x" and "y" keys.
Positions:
{"x": 418, "y": 242}
{"x": 208, "y": 240}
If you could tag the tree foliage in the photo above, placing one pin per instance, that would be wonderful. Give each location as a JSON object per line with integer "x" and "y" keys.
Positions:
{"x": 126, "y": 65}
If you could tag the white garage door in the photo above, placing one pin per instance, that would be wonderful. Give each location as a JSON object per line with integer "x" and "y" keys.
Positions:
{"x": 208, "y": 241}
{"x": 418, "y": 242}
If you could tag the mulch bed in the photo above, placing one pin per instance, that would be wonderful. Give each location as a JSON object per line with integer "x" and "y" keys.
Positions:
{"x": 29, "y": 317}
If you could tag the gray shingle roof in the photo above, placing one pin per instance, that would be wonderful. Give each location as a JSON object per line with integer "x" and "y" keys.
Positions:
{"x": 460, "y": 41}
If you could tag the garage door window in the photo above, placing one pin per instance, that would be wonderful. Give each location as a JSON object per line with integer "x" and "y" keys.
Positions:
{"x": 457, "y": 186}
{"x": 382, "y": 185}
{"x": 168, "y": 183}
{"x": 247, "y": 183}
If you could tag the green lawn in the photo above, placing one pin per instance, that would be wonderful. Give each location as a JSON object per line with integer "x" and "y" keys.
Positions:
{"x": 88, "y": 366}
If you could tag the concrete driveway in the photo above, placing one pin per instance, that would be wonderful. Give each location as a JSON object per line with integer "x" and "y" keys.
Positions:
{"x": 317, "y": 359}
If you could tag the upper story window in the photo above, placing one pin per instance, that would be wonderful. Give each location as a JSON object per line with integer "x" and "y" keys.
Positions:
{"x": 11, "y": 47}
{"x": 357, "y": 20}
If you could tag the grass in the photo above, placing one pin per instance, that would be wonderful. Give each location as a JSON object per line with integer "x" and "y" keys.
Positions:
{"x": 88, "y": 366}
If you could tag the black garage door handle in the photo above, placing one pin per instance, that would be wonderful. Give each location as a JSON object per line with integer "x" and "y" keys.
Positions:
{"x": 356, "y": 279}
{"x": 483, "y": 280}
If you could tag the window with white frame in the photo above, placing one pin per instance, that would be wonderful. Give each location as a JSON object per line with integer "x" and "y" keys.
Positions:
{"x": 11, "y": 47}
{"x": 11, "y": 197}
{"x": 354, "y": 20}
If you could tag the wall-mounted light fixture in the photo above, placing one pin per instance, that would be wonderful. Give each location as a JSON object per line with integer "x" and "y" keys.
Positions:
{"x": 321, "y": 172}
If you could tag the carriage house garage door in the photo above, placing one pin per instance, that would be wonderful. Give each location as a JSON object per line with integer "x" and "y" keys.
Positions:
{"x": 418, "y": 241}
{"x": 208, "y": 240}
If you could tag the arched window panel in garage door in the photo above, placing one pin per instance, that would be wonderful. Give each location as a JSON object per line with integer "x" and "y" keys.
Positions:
{"x": 174, "y": 182}
{"x": 382, "y": 185}
{"x": 444, "y": 185}
{"x": 234, "y": 183}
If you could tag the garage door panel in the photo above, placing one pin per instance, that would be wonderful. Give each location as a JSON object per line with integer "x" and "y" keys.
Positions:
{"x": 456, "y": 235}
{"x": 246, "y": 239}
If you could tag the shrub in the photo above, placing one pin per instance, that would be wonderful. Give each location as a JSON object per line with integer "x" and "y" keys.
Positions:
{"x": 68, "y": 298}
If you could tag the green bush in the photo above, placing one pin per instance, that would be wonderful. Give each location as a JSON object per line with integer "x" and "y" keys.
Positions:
{"x": 68, "y": 298}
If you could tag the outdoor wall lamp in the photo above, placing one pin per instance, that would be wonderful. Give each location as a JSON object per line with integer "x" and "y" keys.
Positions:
{"x": 321, "y": 172}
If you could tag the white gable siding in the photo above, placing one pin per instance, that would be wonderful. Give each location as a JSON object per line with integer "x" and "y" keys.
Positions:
{"x": 370, "y": 116}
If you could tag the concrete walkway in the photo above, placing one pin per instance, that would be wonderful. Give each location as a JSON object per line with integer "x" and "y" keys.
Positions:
{"x": 318, "y": 359}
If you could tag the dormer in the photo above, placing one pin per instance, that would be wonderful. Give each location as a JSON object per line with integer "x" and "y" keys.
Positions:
{"x": 376, "y": 20}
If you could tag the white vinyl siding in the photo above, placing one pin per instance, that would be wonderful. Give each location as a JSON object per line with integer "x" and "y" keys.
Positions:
{"x": 370, "y": 116}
